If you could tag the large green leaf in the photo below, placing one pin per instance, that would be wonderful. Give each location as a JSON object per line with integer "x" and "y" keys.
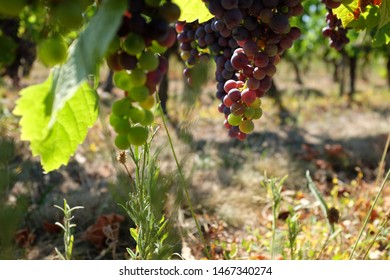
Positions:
{"x": 192, "y": 10}
{"x": 57, "y": 113}
{"x": 55, "y": 143}
{"x": 87, "y": 52}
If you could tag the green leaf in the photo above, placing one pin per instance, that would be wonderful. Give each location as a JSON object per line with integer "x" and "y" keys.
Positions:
{"x": 57, "y": 113}
{"x": 192, "y": 10}
{"x": 384, "y": 12}
{"x": 382, "y": 36}
{"x": 87, "y": 52}
{"x": 134, "y": 234}
{"x": 368, "y": 19}
{"x": 55, "y": 144}
{"x": 346, "y": 11}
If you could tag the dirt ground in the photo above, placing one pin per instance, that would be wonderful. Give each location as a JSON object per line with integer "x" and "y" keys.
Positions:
{"x": 322, "y": 133}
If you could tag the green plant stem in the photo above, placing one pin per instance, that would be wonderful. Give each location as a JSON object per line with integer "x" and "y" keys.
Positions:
{"x": 369, "y": 213}
{"x": 185, "y": 188}
{"x": 376, "y": 236}
{"x": 382, "y": 162}
{"x": 274, "y": 220}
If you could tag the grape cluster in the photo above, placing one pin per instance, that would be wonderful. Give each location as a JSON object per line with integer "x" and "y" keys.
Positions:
{"x": 191, "y": 52}
{"x": 134, "y": 56}
{"x": 332, "y": 4}
{"x": 246, "y": 39}
{"x": 334, "y": 30}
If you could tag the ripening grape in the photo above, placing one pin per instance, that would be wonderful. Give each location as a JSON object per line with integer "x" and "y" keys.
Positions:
{"x": 136, "y": 115}
{"x": 133, "y": 44}
{"x": 122, "y": 126}
{"x": 52, "y": 51}
{"x": 121, "y": 142}
{"x": 122, "y": 80}
{"x": 256, "y": 103}
{"x": 248, "y": 96}
{"x": 148, "y": 103}
{"x": 69, "y": 14}
{"x": 170, "y": 12}
{"x": 249, "y": 112}
{"x": 127, "y": 61}
{"x": 121, "y": 107}
{"x": 246, "y": 126}
{"x": 148, "y": 61}
{"x": 114, "y": 119}
{"x": 234, "y": 120}
{"x": 257, "y": 114}
{"x": 137, "y": 135}
{"x": 138, "y": 93}
{"x": 137, "y": 77}
{"x": 237, "y": 109}
{"x": 148, "y": 119}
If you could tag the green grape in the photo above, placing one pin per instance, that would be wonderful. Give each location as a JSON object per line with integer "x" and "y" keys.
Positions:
{"x": 249, "y": 112}
{"x": 148, "y": 103}
{"x": 246, "y": 126}
{"x": 122, "y": 80}
{"x": 121, "y": 142}
{"x": 52, "y": 51}
{"x": 122, "y": 126}
{"x": 148, "y": 119}
{"x": 133, "y": 44}
{"x": 12, "y": 7}
{"x": 170, "y": 12}
{"x": 137, "y": 77}
{"x": 148, "y": 61}
{"x": 114, "y": 119}
{"x": 258, "y": 113}
{"x": 69, "y": 14}
{"x": 121, "y": 107}
{"x": 256, "y": 103}
{"x": 155, "y": 47}
{"x": 139, "y": 94}
{"x": 234, "y": 120}
{"x": 137, "y": 135}
{"x": 137, "y": 115}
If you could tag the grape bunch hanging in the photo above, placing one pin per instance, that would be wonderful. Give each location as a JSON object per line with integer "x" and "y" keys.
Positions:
{"x": 334, "y": 30}
{"x": 146, "y": 32}
{"x": 246, "y": 39}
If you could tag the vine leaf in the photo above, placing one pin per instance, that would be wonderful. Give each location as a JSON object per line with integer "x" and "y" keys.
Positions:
{"x": 382, "y": 36}
{"x": 56, "y": 114}
{"x": 351, "y": 11}
{"x": 347, "y": 11}
{"x": 57, "y": 142}
{"x": 384, "y": 12}
{"x": 87, "y": 52}
{"x": 192, "y": 10}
